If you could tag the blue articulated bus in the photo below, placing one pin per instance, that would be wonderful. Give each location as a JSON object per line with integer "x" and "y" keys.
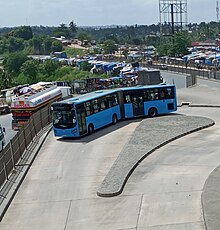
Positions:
{"x": 86, "y": 113}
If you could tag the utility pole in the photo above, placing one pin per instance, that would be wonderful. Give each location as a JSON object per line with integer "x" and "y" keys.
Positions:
{"x": 217, "y": 11}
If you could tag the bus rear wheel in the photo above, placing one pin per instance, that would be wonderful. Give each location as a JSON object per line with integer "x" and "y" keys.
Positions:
{"x": 114, "y": 119}
{"x": 152, "y": 112}
{"x": 90, "y": 129}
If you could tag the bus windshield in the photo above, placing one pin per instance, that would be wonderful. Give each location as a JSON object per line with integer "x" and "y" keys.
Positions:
{"x": 63, "y": 118}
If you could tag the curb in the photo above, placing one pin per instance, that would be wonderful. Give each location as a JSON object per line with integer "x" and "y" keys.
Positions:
{"x": 117, "y": 177}
{"x": 190, "y": 104}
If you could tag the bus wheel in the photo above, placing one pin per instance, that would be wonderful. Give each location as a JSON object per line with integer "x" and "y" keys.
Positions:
{"x": 90, "y": 129}
{"x": 152, "y": 112}
{"x": 114, "y": 119}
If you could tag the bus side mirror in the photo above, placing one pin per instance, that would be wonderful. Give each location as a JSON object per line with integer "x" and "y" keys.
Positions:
{"x": 3, "y": 129}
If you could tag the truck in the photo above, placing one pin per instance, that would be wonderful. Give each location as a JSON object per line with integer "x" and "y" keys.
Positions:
{"x": 149, "y": 77}
{"x": 25, "y": 105}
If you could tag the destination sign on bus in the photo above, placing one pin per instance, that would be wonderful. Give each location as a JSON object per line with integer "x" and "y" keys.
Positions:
{"x": 61, "y": 107}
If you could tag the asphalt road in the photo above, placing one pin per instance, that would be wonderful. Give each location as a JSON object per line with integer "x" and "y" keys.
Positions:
{"x": 178, "y": 79}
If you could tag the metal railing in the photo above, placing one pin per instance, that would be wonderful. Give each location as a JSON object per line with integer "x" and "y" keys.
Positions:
{"x": 183, "y": 69}
{"x": 14, "y": 151}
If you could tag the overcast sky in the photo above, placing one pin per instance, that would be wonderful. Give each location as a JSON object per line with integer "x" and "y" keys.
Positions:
{"x": 95, "y": 12}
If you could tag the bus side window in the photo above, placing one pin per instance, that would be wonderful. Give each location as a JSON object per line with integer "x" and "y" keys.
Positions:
{"x": 102, "y": 105}
{"x": 108, "y": 101}
{"x": 146, "y": 96}
{"x": 114, "y": 100}
{"x": 169, "y": 93}
{"x": 89, "y": 109}
{"x": 161, "y": 94}
{"x": 127, "y": 98}
{"x": 153, "y": 95}
{"x": 95, "y": 106}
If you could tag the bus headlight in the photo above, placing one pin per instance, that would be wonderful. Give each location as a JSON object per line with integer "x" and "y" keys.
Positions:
{"x": 74, "y": 131}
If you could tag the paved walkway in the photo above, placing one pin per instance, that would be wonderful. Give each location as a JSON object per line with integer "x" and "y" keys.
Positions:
{"x": 11, "y": 186}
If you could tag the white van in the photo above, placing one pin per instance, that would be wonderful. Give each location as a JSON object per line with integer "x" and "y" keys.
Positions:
{"x": 2, "y": 138}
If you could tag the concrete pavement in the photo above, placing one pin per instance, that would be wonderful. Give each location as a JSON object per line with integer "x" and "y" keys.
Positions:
{"x": 149, "y": 131}
{"x": 11, "y": 186}
{"x": 209, "y": 197}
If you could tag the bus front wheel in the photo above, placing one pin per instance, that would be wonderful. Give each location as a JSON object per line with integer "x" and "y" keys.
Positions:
{"x": 114, "y": 119}
{"x": 152, "y": 112}
{"x": 90, "y": 129}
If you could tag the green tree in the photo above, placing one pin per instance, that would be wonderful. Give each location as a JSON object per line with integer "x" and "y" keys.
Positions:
{"x": 163, "y": 50}
{"x": 137, "y": 41}
{"x": 62, "y": 30}
{"x": 47, "y": 45}
{"x": 73, "y": 52}
{"x": 30, "y": 70}
{"x": 13, "y": 62}
{"x": 48, "y": 69}
{"x": 37, "y": 44}
{"x": 85, "y": 66}
{"x": 5, "y": 79}
{"x": 83, "y": 35}
{"x": 3, "y": 45}
{"x": 57, "y": 46}
{"x": 109, "y": 47}
{"x": 24, "y": 32}
{"x": 63, "y": 71}
{"x": 15, "y": 44}
{"x": 181, "y": 42}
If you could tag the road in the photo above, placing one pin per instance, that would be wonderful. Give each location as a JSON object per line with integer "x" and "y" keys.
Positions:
{"x": 178, "y": 79}
{"x": 164, "y": 191}
{"x": 5, "y": 120}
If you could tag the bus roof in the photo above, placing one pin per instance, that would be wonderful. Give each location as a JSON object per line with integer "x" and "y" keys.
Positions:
{"x": 89, "y": 96}
{"x": 145, "y": 87}
{"x": 100, "y": 93}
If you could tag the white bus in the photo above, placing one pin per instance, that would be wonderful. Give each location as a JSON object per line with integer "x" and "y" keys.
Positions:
{"x": 2, "y": 138}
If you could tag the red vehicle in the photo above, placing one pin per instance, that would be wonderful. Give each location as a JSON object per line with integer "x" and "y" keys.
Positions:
{"x": 22, "y": 107}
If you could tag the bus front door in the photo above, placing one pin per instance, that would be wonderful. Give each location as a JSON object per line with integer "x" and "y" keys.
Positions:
{"x": 138, "y": 105}
{"x": 81, "y": 117}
